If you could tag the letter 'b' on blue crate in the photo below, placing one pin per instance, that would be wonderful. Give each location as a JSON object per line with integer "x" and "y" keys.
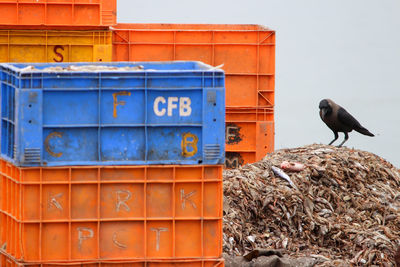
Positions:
{"x": 112, "y": 113}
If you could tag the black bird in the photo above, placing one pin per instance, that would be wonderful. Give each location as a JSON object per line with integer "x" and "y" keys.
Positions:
{"x": 339, "y": 120}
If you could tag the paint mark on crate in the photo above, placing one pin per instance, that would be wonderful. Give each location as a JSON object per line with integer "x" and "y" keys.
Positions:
{"x": 184, "y": 106}
{"x": 119, "y": 103}
{"x": 158, "y": 235}
{"x": 117, "y": 243}
{"x": 58, "y": 53}
{"x": 189, "y": 140}
{"x": 84, "y": 233}
{"x": 186, "y": 197}
{"x": 122, "y": 197}
{"x": 232, "y": 134}
{"x": 233, "y": 160}
{"x": 53, "y": 201}
{"x": 47, "y": 144}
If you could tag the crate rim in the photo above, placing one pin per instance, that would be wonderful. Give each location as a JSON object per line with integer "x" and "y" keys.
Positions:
{"x": 116, "y": 261}
{"x": 258, "y": 27}
{"x": 204, "y": 67}
{"x": 104, "y": 166}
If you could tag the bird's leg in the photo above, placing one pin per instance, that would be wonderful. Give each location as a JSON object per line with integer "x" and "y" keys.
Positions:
{"x": 346, "y": 136}
{"x": 336, "y": 137}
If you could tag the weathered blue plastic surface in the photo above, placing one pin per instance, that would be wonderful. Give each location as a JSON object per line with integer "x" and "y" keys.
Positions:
{"x": 167, "y": 113}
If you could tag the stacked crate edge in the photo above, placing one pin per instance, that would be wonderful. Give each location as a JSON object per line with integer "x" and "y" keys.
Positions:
{"x": 105, "y": 164}
{"x": 118, "y": 162}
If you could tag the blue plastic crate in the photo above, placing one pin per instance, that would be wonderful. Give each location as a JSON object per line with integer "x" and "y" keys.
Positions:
{"x": 163, "y": 113}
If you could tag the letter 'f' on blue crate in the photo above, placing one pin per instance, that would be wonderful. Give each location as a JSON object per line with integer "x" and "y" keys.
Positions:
{"x": 112, "y": 113}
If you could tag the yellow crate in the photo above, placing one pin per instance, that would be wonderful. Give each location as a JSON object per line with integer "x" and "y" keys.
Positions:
{"x": 55, "y": 46}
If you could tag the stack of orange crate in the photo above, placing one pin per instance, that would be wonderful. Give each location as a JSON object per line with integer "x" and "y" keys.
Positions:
{"x": 248, "y": 55}
{"x": 164, "y": 215}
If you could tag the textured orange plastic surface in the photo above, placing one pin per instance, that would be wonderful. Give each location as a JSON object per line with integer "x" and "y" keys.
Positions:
{"x": 58, "y": 12}
{"x": 8, "y": 261}
{"x": 247, "y": 52}
{"x": 140, "y": 213}
{"x": 55, "y": 46}
{"x": 249, "y": 135}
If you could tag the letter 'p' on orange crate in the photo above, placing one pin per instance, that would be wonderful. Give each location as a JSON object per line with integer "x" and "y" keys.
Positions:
{"x": 117, "y": 213}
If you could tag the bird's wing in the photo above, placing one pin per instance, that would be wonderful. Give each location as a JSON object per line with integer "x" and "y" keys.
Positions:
{"x": 346, "y": 118}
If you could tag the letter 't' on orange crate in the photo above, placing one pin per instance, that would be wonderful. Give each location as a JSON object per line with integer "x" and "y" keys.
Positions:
{"x": 143, "y": 213}
{"x": 58, "y": 13}
{"x": 247, "y": 52}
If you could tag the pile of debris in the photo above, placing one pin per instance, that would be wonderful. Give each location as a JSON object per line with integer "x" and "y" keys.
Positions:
{"x": 340, "y": 206}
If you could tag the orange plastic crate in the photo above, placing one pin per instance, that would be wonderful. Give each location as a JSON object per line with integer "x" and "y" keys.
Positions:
{"x": 58, "y": 12}
{"x": 55, "y": 46}
{"x": 9, "y": 261}
{"x": 249, "y": 135}
{"x": 247, "y": 52}
{"x": 135, "y": 213}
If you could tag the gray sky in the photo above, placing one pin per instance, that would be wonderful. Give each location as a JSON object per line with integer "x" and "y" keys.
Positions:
{"x": 346, "y": 50}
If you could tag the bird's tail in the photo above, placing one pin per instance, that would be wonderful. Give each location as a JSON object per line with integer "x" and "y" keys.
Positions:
{"x": 364, "y": 131}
